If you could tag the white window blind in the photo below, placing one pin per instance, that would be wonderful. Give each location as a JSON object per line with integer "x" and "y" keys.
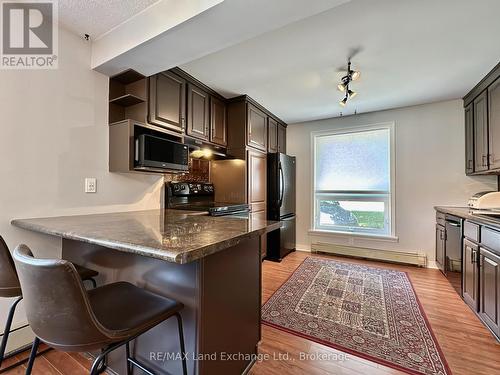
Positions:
{"x": 352, "y": 181}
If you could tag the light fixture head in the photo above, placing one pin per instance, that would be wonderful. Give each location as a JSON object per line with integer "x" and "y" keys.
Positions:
{"x": 202, "y": 153}
{"x": 207, "y": 152}
{"x": 343, "y": 86}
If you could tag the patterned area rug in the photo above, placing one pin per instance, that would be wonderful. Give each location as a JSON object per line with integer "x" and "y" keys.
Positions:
{"x": 369, "y": 312}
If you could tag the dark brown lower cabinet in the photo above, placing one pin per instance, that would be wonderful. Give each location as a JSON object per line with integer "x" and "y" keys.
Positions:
{"x": 470, "y": 274}
{"x": 489, "y": 286}
{"x": 440, "y": 246}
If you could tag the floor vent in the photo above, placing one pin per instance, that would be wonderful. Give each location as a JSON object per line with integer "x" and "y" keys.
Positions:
{"x": 415, "y": 259}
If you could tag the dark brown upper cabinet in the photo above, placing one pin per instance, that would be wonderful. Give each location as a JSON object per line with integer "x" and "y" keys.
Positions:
{"x": 167, "y": 108}
{"x": 282, "y": 138}
{"x": 494, "y": 124}
{"x": 218, "y": 121}
{"x": 469, "y": 139}
{"x": 257, "y": 128}
{"x": 489, "y": 282}
{"x": 251, "y": 126}
{"x": 482, "y": 125}
{"x": 198, "y": 107}
{"x": 272, "y": 135}
{"x": 481, "y": 132}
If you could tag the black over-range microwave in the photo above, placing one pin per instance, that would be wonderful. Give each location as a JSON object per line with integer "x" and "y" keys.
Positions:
{"x": 159, "y": 153}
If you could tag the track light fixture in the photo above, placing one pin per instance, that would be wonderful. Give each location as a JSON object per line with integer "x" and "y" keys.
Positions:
{"x": 343, "y": 86}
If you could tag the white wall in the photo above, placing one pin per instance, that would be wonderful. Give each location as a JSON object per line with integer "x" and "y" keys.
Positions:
{"x": 429, "y": 142}
{"x": 53, "y": 134}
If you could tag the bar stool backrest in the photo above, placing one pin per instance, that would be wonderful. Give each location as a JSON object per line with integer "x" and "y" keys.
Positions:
{"x": 56, "y": 303}
{"x": 9, "y": 283}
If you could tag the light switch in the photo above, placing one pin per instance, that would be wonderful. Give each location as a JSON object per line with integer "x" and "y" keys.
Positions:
{"x": 90, "y": 185}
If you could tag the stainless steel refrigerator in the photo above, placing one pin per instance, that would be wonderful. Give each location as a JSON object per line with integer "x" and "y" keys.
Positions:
{"x": 281, "y": 204}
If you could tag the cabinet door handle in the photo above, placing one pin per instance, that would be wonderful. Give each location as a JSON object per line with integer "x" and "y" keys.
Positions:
{"x": 473, "y": 256}
{"x": 183, "y": 122}
{"x": 490, "y": 158}
{"x": 484, "y": 161}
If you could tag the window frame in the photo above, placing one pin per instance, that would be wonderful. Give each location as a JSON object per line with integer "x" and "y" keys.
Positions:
{"x": 391, "y": 212}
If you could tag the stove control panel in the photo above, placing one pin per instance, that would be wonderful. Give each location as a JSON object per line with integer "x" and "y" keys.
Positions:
{"x": 190, "y": 188}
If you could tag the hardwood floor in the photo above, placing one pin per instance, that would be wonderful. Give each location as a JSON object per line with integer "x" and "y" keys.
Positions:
{"x": 52, "y": 363}
{"x": 468, "y": 346}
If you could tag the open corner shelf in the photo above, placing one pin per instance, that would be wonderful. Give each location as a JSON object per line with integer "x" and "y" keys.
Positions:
{"x": 128, "y": 76}
{"x": 127, "y": 100}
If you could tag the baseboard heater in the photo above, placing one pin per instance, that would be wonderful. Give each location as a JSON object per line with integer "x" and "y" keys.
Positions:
{"x": 415, "y": 259}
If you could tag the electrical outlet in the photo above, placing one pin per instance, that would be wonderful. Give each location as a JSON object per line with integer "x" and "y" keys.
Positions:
{"x": 90, "y": 185}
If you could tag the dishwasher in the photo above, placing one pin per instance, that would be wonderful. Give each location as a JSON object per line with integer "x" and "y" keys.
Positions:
{"x": 453, "y": 251}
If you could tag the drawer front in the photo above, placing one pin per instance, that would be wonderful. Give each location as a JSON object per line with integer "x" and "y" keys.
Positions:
{"x": 440, "y": 218}
{"x": 491, "y": 239}
{"x": 471, "y": 231}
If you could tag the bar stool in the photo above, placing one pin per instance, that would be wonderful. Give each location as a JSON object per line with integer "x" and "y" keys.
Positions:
{"x": 104, "y": 318}
{"x": 10, "y": 287}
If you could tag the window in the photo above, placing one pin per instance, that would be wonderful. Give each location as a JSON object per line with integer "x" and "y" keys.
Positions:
{"x": 352, "y": 181}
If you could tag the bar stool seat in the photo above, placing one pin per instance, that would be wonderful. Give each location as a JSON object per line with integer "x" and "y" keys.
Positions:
{"x": 126, "y": 310}
{"x": 10, "y": 287}
{"x": 104, "y": 318}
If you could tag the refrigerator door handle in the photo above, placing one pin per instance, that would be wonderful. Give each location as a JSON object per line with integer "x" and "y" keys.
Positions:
{"x": 282, "y": 185}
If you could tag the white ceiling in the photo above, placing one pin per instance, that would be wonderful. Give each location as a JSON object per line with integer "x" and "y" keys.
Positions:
{"x": 96, "y": 17}
{"x": 411, "y": 52}
{"x": 189, "y": 29}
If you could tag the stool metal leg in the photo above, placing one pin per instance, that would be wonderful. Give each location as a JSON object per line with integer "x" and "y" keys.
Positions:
{"x": 31, "y": 361}
{"x": 181, "y": 341}
{"x": 99, "y": 363}
{"x": 8, "y": 325}
{"x": 129, "y": 365}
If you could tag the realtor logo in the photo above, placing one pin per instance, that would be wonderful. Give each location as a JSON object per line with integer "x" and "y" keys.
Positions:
{"x": 29, "y": 35}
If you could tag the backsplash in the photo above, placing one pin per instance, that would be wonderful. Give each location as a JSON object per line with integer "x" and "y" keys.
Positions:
{"x": 199, "y": 171}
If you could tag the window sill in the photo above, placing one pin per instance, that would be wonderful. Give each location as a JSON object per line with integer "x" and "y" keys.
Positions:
{"x": 373, "y": 237}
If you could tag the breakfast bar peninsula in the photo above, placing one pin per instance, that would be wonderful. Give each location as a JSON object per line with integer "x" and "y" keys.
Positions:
{"x": 210, "y": 264}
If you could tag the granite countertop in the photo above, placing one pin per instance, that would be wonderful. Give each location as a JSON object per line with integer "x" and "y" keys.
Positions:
{"x": 472, "y": 215}
{"x": 171, "y": 235}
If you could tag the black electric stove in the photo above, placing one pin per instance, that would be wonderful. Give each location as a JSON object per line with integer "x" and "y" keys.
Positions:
{"x": 196, "y": 196}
